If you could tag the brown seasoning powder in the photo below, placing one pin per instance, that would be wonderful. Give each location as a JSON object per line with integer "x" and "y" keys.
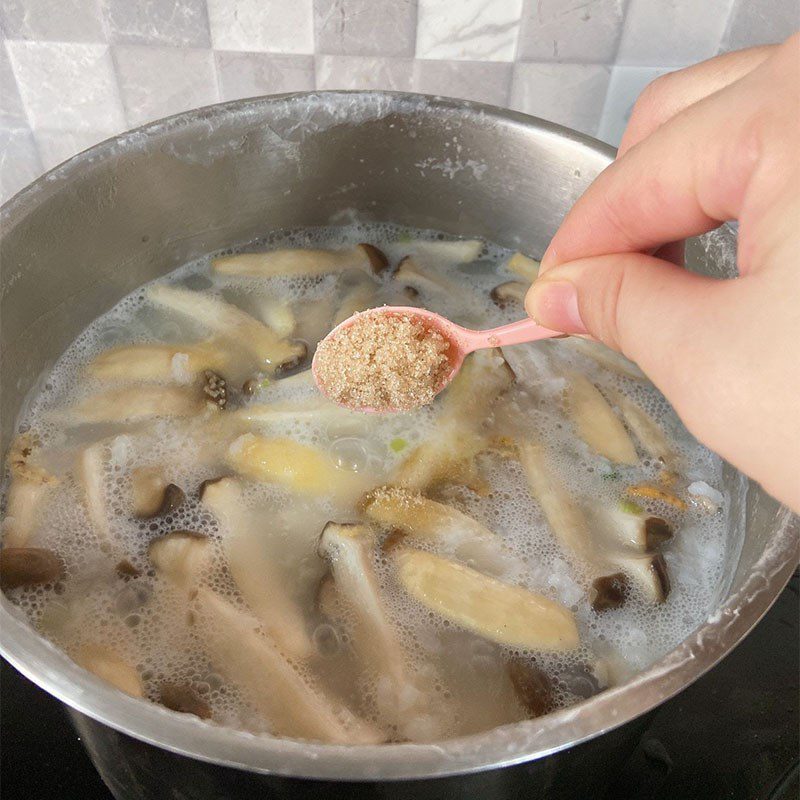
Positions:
{"x": 385, "y": 362}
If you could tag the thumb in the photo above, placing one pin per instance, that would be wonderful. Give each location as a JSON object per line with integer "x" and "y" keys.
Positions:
{"x": 647, "y": 308}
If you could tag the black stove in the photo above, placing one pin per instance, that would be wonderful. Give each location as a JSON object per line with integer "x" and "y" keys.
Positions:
{"x": 732, "y": 735}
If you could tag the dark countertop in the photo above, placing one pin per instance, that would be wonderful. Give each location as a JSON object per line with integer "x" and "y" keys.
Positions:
{"x": 732, "y": 735}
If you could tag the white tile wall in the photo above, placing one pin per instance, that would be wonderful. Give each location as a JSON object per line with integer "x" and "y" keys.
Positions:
{"x": 468, "y": 30}
{"x": 73, "y": 72}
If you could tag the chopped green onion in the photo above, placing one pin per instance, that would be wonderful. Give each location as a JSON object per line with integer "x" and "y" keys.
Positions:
{"x": 398, "y": 444}
{"x": 629, "y": 507}
{"x": 405, "y": 237}
{"x": 264, "y": 383}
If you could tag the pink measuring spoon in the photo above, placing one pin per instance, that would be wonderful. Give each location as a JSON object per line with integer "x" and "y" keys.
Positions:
{"x": 463, "y": 341}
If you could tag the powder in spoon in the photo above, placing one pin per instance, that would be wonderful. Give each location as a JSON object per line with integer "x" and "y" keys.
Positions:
{"x": 385, "y": 362}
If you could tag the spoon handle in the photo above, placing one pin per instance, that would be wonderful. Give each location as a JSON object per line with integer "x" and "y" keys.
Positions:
{"x": 523, "y": 330}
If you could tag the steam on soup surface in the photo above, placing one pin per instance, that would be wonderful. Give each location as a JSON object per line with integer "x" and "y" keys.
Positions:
{"x": 189, "y": 519}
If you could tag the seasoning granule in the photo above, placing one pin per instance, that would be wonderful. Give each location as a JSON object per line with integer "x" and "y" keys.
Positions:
{"x": 384, "y": 362}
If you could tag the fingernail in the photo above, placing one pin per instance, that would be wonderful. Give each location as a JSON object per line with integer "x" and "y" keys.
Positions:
{"x": 554, "y": 304}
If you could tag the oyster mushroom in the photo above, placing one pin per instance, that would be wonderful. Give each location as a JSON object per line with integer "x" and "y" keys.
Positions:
{"x": 350, "y": 549}
{"x": 524, "y": 266}
{"x": 410, "y": 273}
{"x": 293, "y": 706}
{"x": 108, "y": 665}
{"x": 263, "y": 585}
{"x": 181, "y": 697}
{"x": 294, "y": 466}
{"x": 421, "y": 518}
{"x": 533, "y": 687}
{"x": 448, "y": 455}
{"x": 444, "y": 253}
{"x": 135, "y": 403}
{"x": 302, "y": 262}
{"x": 28, "y": 566}
{"x": 604, "y": 356}
{"x": 180, "y": 556}
{"x": 278, "y": 316}
{"x": 609, "y": 592}
{"x": 272, "y": 352}
{"x": 27, "y": 489}
{"x": 595, "y": 421}
{"x": 164, "y": 501}
{"x": 628, "y": 524}
{"x": 649, "y": 434}
{"x": 500, "y": 612}
{"x": 359, "y": 298}
{"x": 593, "y": 550}
{"x": 90, "y": 466}
{"x": 510, "y": 293}
{"x": 157, "y": 362}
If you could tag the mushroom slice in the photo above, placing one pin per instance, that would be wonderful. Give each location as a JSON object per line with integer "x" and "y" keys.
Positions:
{"x": 628, "y": 525}
{"x": 180, "y": 556}
{"x": 350, "y": 550}
{"x": 290, "y": 464}
{"x": 318, "y": 409}
{"x": 533, "y": 687}
{"x": 137, "y": 403}
{"x": 147, "y": 491}
{"x": 428, "y": 520}
{"x": 649, "y": 572}
{"x": 258, "y": 578}
{"x": 602, "y": 558}
{"x": 27, "y": 488}
{"x": 171, "y": 498}
{"x": 604, "y": 356}
{"x": 157, "y": 362}
{"x": 182, "y": 698}
{"x": 90, "y": 475}
{"x": 302, "y": 262}
{"x": 524, "y": 266}
{"x": 250, "y": 659}
{"x": 435, "y": 253}
{"x": 28, "y": 566}
{"x": 646, "y": 430}
{"x": 609, "y": 592}
{"x": 648, "y": 492}
{"x": 500, "y": 612}
{"x": 410, "y": 273}
{"x": 510, "y": 293}
{"x": 358, "y": 298}
{"x": 596, "y": 422}
{"x": 108, "y": 665}
{"x": 272, "y": 352}
{"x": 448, "y": 455}
{"x": 278, "y": 316}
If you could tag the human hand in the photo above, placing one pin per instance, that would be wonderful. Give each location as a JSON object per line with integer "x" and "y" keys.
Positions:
{"x": 715, "y": 142}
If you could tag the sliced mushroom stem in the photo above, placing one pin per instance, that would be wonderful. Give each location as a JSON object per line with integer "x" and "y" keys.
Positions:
{"x": 112, "y": 668}
{"x": 524, "y": 266}
{"x": 90, "y": 475}
{"x": 595, "y": 421}
{"x": 182, "y": 698}
{"x": 428, "y": 520}
{"x": 263, "y": 585}
{"x": 181, "y": 557}
{"x": 604, "y": 356}
{"x": 27, "y": 489}
{"x": 358, "y": 298}
{"x": 292, "y": 706}
{"x": 28, "y": 566}
{"x": 649, "y": 433}
{"x": 629, "y": 526}
{"x": 137, "y": 403}
{"x": 500, "y": 612}
{"x": 157, "y": 362}
{"x": 511, "y": 293}
{"x": 302, "y": 262}
{"x": 279, "y": 316}
{"x": 410, "y": 273}
{"x": 294, "y": 466}
{"x": 445, "y": 253}
{"x": 318, "y": 409}
{"x": 272, "y": 352}
{"x": 448, "y": 455}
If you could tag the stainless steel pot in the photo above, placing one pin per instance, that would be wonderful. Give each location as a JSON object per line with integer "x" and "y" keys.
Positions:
{"x": 135, "y": 207}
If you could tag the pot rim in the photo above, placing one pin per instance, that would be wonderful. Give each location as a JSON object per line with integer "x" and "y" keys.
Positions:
{"x": 54, "y": 671}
